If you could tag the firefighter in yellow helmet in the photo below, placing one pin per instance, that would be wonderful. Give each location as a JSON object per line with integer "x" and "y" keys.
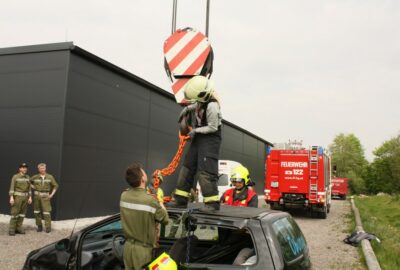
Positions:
{"x": 240, "y": 194}
{"x": 201, "y": 161}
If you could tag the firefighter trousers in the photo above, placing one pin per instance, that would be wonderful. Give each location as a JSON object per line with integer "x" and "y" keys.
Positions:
{"x": 201, "y": 165}
{"x": 42, "y": 210}
{"x": 136, "y": 255}
{"x": 18, "y": 211}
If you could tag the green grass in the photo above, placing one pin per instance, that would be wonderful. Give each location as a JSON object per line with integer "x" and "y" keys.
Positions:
{"x": 381, "y": 216}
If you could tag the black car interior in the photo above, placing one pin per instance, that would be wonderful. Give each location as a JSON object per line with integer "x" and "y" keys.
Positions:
{"x": 102, "y": 248}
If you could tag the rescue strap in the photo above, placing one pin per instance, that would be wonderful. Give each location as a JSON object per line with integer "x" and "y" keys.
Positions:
{"x": 134, "y": 241}
{"x": 211, "y": 199}
{"x": 17, "y": 193}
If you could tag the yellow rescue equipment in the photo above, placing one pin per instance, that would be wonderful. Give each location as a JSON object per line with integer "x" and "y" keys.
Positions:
{"x": 163, "y": 262}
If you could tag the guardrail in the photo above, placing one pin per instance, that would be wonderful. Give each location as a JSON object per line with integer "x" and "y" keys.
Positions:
{"x": 370, "y": 258}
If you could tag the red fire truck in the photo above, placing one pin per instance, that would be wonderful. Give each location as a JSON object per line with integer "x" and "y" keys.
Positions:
{"x": 299, "y": 178}
{"x": 339, "y": 187}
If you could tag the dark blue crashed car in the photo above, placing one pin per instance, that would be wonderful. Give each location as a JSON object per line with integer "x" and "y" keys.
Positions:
{"x": 234, "y": 237}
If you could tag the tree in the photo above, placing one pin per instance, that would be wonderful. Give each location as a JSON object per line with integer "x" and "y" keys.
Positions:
{"x": 384, "y": 171}
{"x": 348, "y": 157}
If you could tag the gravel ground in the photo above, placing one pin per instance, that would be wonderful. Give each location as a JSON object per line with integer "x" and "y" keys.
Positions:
{"x": 13, "y": 249}
{"x": 325, "y": 238}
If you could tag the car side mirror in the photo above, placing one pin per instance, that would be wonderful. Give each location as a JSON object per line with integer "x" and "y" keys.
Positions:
{"x": 62, "y": 245}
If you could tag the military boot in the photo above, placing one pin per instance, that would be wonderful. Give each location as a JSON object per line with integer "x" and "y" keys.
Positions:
{"x": 210, "y": 207}
{"x": 39, "y": 228}
{"x": 20, "y": 231}
{"x": 179, "y": 202}
{"x": 11, "y": 233}
{"x": 48, "y": 230}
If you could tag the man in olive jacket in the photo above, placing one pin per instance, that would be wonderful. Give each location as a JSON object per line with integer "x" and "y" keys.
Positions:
{"x": 140, "y": 213}
{"x": 20, "y": 197}
{"x": 45, "y": 187}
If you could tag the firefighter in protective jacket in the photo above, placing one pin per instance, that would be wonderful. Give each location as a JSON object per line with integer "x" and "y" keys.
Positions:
{"x": 241, "y": 194}
{"x": 201, "y": 161}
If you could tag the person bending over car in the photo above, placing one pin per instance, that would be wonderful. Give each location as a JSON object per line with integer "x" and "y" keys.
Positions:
{"x": 140, "y": 213}
{"x": 241, "y": 195}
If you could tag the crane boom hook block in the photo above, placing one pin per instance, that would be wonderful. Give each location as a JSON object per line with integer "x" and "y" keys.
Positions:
{"x": 187, "y": 53}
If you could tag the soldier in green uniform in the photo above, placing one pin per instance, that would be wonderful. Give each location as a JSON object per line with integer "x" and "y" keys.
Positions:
{"x": 20, "y": 197}
{"x": 140, "y": 213}
{"x": 45, "y": 187}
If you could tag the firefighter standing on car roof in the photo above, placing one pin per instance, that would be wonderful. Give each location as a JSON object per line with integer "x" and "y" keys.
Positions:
{"x": 202, "y": 157}
{"x": 45, "y": 186}
{"x": 20, "y": 197}
{"x": 241, "y": 194}
{"x": 140, "y": 213}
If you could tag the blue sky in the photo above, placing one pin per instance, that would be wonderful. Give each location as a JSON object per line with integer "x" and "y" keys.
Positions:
{"x": 284, "y": 69}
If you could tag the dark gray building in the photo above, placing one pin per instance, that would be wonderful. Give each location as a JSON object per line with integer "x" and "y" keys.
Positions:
{"x": 88, "y": 119}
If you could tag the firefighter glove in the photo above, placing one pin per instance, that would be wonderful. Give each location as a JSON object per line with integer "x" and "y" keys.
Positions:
{"x": 192, "y": 133}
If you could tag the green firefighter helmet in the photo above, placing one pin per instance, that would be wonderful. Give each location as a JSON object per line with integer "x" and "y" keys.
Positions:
{"x": 240, "y": 173}
{"x": 199, "y": 88}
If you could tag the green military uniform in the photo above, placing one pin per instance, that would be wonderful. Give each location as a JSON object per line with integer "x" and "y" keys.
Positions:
{"x": 139, "y": 214}
{"x": 20, "y": 189}
{"x": 43, "y": 185}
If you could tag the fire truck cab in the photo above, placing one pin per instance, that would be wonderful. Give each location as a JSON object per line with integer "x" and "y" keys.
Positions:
{"x": 299, "y": 178}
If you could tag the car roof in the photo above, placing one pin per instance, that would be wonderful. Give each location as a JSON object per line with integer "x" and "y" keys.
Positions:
{"x": 228, "y": 211}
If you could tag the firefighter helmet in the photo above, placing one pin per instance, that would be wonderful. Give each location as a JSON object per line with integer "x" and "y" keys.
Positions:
{"x": 199, "y": 88}
{"x": 240, "y": 173}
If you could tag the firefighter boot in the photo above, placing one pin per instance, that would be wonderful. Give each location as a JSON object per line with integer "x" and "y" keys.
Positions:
{"x": 210, "y": 207}
{"x": 19, "y": 228}
{"x": 182, "y": 191}
{"x": 179, "y": 202}
{"x": 13, "y": 225}
{"x": 208, "y": 184}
